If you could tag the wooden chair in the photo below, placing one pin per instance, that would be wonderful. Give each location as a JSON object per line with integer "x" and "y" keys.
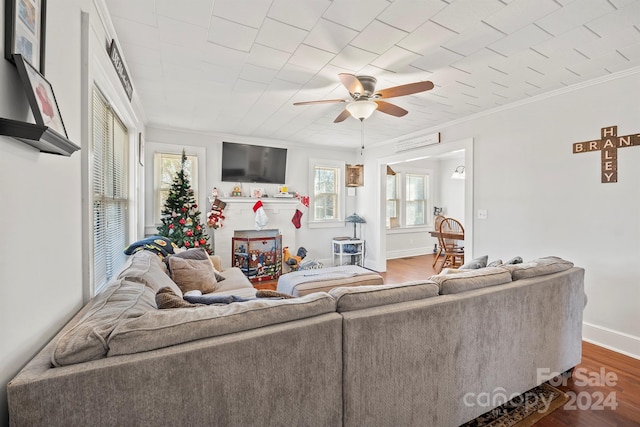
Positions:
{"x": 436, "y": 226}
{"x": 453, "y": 252}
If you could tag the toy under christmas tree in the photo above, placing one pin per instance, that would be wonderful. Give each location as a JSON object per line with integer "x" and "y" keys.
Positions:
{"x": 180, "y": 215}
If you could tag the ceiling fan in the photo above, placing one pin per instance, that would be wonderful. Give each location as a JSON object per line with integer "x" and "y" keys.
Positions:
{"x": 365, "y": 99}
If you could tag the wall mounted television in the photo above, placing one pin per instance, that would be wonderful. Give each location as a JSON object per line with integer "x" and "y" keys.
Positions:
{"x": 253, "y": 163}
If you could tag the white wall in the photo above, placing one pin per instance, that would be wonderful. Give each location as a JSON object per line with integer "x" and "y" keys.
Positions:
{"x": 543, "y": 200}
{"x": 41, "y": 239}
{"x": 317, "y": 241}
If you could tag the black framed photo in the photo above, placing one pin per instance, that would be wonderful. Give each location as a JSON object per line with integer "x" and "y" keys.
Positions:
{"x": 25, "y": 31}
{"x": 42, "y": 100}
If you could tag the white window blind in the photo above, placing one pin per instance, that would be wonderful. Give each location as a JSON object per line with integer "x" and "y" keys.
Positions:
{"x": 325, "y": 200}
{"x": 109, "y": 183}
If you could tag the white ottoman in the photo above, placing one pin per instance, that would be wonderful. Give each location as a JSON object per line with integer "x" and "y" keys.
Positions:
{"x": 303, "y": 282}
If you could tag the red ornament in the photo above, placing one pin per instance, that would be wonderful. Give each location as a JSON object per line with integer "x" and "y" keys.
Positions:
{"x": 203, "y": 241}
{"x": 198, "y": 228}
{"x": 196, "y": 244}
{"x": 171, "y": 226}
{"x": 187, "y": 244}
{"x": 182, "y": 221}
{"x": 189, "y": 233}
{"x": 195, "y": 206}
{"x": 183, "y": 209}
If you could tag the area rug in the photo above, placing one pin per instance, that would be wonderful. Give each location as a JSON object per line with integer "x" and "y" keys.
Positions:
{"x": 524, "y": 410}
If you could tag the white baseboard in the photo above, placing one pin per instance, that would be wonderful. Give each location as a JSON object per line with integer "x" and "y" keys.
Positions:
{"x": 619, "y": 342}
{"x": 403, "y": 253}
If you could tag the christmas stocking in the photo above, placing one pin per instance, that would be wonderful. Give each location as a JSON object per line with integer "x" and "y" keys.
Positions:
{"x": 300, "y": 210}
{"x": 296, "y": 218}
{"x": 261, "y": 216}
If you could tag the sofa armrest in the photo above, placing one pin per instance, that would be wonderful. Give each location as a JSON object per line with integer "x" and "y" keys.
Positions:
{"x": 216, "y": 261}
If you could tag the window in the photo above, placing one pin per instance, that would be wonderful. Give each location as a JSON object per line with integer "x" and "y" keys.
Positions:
{"x": 407, "y": 199}
{"x": 109, "y": 183}
{"x": 326, "y": 207}
{"x": 166, "y": 165}
{"x": 392, "y": 201}
{"x": 325, "y": 193}
{"x": 416, "y": 199}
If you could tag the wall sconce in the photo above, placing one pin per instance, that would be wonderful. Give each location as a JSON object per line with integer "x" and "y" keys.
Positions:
{"x": 354, "y": 176}
{"x": 458, "y": 173}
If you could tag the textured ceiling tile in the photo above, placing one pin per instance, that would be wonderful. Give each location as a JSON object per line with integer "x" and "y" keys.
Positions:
{"x": 474, "y": 38}
{"x": 246, "y": 12}
{"x": 478, "y": 61}
{"x": 243, "y": 36}
{"x": 355, "y": 14}
{"x": 624, "y": 18}
{"x": 565, "y": 41}
{"x": 378, "y": 37}
{"x": 257, "y": 74}
{"x": 408, "y": 15}
{"x": 135, "y": 33}
{"x": 180, "y": 33}
{"x": 427, "y": 37}
{"x": 437, "y": 58}
{"x": 141, "y": 11}
{"x": 520, "y": 13}
{"x": 267, "y": 57}
{"x": 623, "y": 37}
{"x": 522, "y": 39}
{"x": 295, "y": 74}
{"x": 197, "y": 13}
{"x": 280, "y": 36}
{"x": 301, "y": 14}
{"x": 352, "y": 59}
{"x": 573, "y": 15}
{"x": 224, "y": 56}
{"x": 329, "y": 36}
{"x": 461, "y": 14}
{"x": 396, "y": 59}
{"x": 310, "y": 57}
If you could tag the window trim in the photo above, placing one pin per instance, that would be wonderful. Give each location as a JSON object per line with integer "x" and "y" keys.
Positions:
{"x": 157, "y": 205}
{"x": 339, "y": 220}
{"x": 403, "y": 227}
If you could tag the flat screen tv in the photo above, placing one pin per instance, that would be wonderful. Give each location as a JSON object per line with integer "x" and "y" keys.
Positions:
{"x": 253, "y": 163}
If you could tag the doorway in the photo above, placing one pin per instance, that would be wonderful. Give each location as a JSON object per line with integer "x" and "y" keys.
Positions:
{"x": 461, "y": 151}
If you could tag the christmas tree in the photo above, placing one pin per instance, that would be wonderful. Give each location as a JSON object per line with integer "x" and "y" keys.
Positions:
{"x": 180, "y": 215}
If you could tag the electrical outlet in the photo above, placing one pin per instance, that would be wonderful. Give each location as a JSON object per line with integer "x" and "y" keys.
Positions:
{"x": 482, "y": 214}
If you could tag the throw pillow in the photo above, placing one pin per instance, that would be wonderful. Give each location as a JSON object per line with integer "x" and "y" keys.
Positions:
{"x": 268, "y": 293}
{"x": 159, "y": 245}
{"x": 495, "y": 263}
{"x": 476, "y": 263}
{"x": 193, "y": 274}
{"x": 194, "y": 253}
{"x": 514, "y": 260}
{"x": 166, "y": 298}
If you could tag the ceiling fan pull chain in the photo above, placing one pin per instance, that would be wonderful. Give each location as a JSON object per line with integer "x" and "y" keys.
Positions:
{"x": 361, "y": 136}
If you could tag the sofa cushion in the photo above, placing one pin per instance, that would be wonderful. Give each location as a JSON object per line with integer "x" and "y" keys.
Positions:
{"x": 146, "y": 268}
{"x": 350, "y": 298}
{"x": 193, "y": 274}
{"x": 87, "y": 339}
{"x": 469, "y": 280}
{"x": 163, "y": 328}
{"x": 538, "y": 267}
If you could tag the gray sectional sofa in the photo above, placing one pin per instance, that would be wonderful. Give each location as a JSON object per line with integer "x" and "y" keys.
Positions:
{"x": 410, "y": 354}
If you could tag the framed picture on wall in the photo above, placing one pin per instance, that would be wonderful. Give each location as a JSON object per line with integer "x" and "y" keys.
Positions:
{"x": 25, "y": 31}
{"x": 42, "y": 100}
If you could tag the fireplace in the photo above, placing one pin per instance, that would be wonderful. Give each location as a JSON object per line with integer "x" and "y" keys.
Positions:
{"x": 258, "y": 253}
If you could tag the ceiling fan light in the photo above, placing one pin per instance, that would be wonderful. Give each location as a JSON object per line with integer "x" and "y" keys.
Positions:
{"x": 361, "y": 109}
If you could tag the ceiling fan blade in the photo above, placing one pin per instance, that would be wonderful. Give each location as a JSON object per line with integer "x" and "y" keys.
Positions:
{"x": 402, "y": 90}
{"x": 351, "y": 82}
{"x": 342, "y": 116}
{"x": 388, "y": 108}
{"x": 324, "y": 101}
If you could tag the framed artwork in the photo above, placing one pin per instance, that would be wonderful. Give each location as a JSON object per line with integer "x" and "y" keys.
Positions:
{"x": 41, "y": 97}
{"x": 25, "y": 31}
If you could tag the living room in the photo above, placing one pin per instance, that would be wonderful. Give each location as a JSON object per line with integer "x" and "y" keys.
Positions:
{"x": 540, "y": 198}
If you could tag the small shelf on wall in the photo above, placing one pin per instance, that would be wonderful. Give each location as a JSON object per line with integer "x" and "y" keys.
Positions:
{"x": 41, "y": 137}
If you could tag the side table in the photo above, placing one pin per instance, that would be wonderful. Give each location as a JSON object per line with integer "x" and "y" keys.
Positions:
{"x": 347, "y": 251}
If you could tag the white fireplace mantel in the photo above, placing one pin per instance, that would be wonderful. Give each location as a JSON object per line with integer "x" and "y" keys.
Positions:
{"x": 239, "y": 215}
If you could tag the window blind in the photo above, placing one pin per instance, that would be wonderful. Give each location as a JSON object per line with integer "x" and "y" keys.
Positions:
{"x": 110, "y": 190}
